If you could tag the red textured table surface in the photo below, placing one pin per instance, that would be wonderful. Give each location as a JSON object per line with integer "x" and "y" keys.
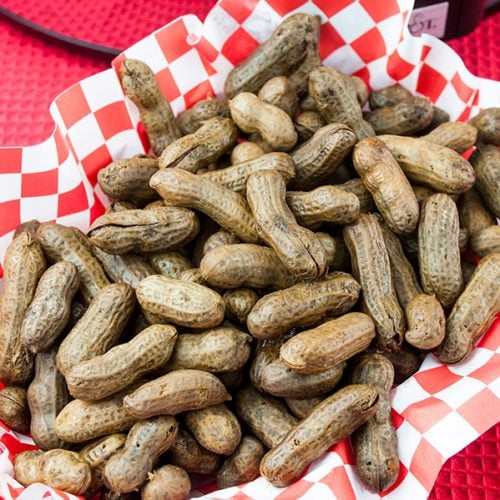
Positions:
{"x": 35, "y": 69}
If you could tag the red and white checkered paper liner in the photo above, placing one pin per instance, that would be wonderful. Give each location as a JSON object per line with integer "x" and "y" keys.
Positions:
{"x": 438, "y": 411}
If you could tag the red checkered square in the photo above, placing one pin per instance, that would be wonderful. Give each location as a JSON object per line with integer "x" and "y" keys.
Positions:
{"x": 72, "y": 105}
{"x": 176, "y": 31}
{"x": 370, "y": 46}
{"x": 488, "y": 373}
{"x": 10, "y": 216}
{"x": 329, "y": 40}
{"x": 113, "y": 118}
{"x": 436, "y": 379}
{"x": 397, "y": 419}
{"x": 238, "y": 46}
{"x": 330, "y": 8}
{"x": 96, "y": 210}
{"x": 465, "y": 115}
{"x": 397, "y": 67}
{"x": 430, "y": 82}
{"x": 482, "y": 410}
{"x": 338, "y": 480}
{"x": 295, "y": 490}
{"x": 201, "y": 91}
{"x": 72, "y": 201}
{"x": 167, "y": 84}
{"x": 283, "y": 7}
{"x": 92, "y": 163}
{"x": 426, "y": 463}
{"x": 463, "y": 90}
{"x": 207, "y": 50}
{"x": 11, "y": 160}
{"x": 39, "y": 184}
{"x": 424, "y": 414}
{"x": 238, "y": 10}
{"x": 380, "y": 10}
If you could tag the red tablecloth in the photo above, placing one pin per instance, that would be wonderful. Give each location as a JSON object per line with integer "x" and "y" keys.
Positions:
{"x": 35, "y": 69}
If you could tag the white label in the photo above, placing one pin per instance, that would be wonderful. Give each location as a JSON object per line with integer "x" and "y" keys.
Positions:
{"x": 430, "y": 19}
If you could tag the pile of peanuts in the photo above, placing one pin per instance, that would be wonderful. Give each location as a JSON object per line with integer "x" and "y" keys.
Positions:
{"x": 253, "y": 293}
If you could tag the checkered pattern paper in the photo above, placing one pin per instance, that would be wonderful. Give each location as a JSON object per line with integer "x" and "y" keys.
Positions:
{"x": 439, "y": 410}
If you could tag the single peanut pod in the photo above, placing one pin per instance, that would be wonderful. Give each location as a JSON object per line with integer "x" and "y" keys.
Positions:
{"x": 61, "y": 469}
{"x": 297, "y": 247}
{"x": 314, "y": 351}
{"x": 388, "y": 96}
{"x": 486, "y": 241}
{"x": 235, "y": 177}
{"x": 65, "y": 243}
{"x": 216, "y": 428}
{"x": 270, "y": 374}
{"x": 473, "y": 312}
{"x": 375, "y": 443}
{"x": 239, "y": 303}
{"x": 47, "y": 396}
{"x": 99, "y": 328}
{"x": 405, "y": 362}
{"x": 332, "y": 420}
{"x": 307, "y": 124}
{"x": 302, "y": 408}
{"x": 141, "y": 87}
{"x": 218, "y": 239}
{"x": 81, "y": 421}
{"x": 430, "y": 164}
{"x": 485, "y": 161}
{"x": 14, "y": 410}
{"x": 438, "y": 249}
{"x": 23, "y": 266}
{"x": 243, "y": 465}
{"x": 192, "y": 119}
{"x": 252, "y": 114}
{"x": 171, "y": 264}
{"x": 267, "y": 418}
{"x": 244, "y": 265}
{"x": 204, "y": 146}
{"x": 426, "y": 322}
{"x": 129, "y": 179}
{"x": 187, "y": 453}
{"x": 168, "y": 483}
{"x": 357, "y": 187}
{"x": 403, "y": 275}
{"x": 304, "y": 304}
{"x": 128, "y": 468}
{"x": 98, "y": 452}
{"x": 245, "y": 151}
{"x": 337, "y": 256}
{"x": 336, "y": 100}
{"x": 318, "y": 157}
{"x": 389, "y": 187}
{"x": 226, "y": 207}
{"x": 176, "y": 392}
{"x": 280, "y": 92}
{"x": 323, "y": 204}
{"x": 487, "y": 123}
{"x": 50, "y": 309}
{"x": 459, "y": 136}
{"x": 286, "y": 51}
{"x": 371, "y": 268}
{"x": 30, "y": 227}
{"x": 219, "y": 350}
{"x": 181, "y": 302}
{"x": 473, "y": 213}
{"x": 122, "y": 365}
{"x": 407, "y": 117}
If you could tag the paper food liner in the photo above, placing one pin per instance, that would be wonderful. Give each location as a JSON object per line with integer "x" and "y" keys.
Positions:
{"x": 438, "y": 411}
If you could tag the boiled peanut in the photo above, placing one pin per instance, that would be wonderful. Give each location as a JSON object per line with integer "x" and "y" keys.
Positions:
{"x": 235, "y": 177}
{"x": 302, "y": 408}
{"x": 220, "y": 350}
{"x": 371, "y": 268}
{"x": 47, "y": 396}
{"x": 375, "y": 442}
{"x": 141, "y": 87}
{"x": 226, "y": 207}
{"x": 266, "y": 417}
{"x": 252, "y": 114}
{"x": 122, "y": 365}
{"x": 357, "y": 187}
{"x": 98, "y": 452}
{"x": 168, "y": 483}
{"x": 485, "y": 161}
{"x": 332, "y": 420}
{"x": 438, "y": 249}
{"x": 129, "y": 179}
{"x": 473, "y": 311}
{"x": 316, "y": 350}
{"x": 280, "y": 92}
{"x": 176, "y": 392}
{"x": 14, "y": 410}
{"x": 430, "y": 164}
{"x": 170, "y": 264}
{"x": 65, "y": 243}
{"x": 30, "y": 227}
{"x": 407, "y": 117}
{"x": 181, "y": 302}
{"x": 50, "y": 309}
{"x": 336, "y": 100}
{"x": 204, "y": 146}
{"x": 193, "y": 118}
{"x": 323, "y": 204}
{"x": 239, "y": 303}
{"x": 215, "y": 428}
{"x": 318, "y": 157}
{"x": 473, "y": 213}
{"x": 459, "y": 136}
{"x": 388, "y": 96}
{"x": 243, "y": 465}
{"x": 426, "y": 322}
{"x": 99, "y": 328}
{"x": 297, "y": 247}
{"x": 23, "y": 266}
{"x": 61, "y": 469}
{"x": 486, "y": 241}
{"x": 307, "y": 124}
{"x": 405, "y": 363}
{"x": 303, "y": 304}
{"x": 487, "y": 123}
{"x": 245, "y": 151}
{"x": 129, "y": 467}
